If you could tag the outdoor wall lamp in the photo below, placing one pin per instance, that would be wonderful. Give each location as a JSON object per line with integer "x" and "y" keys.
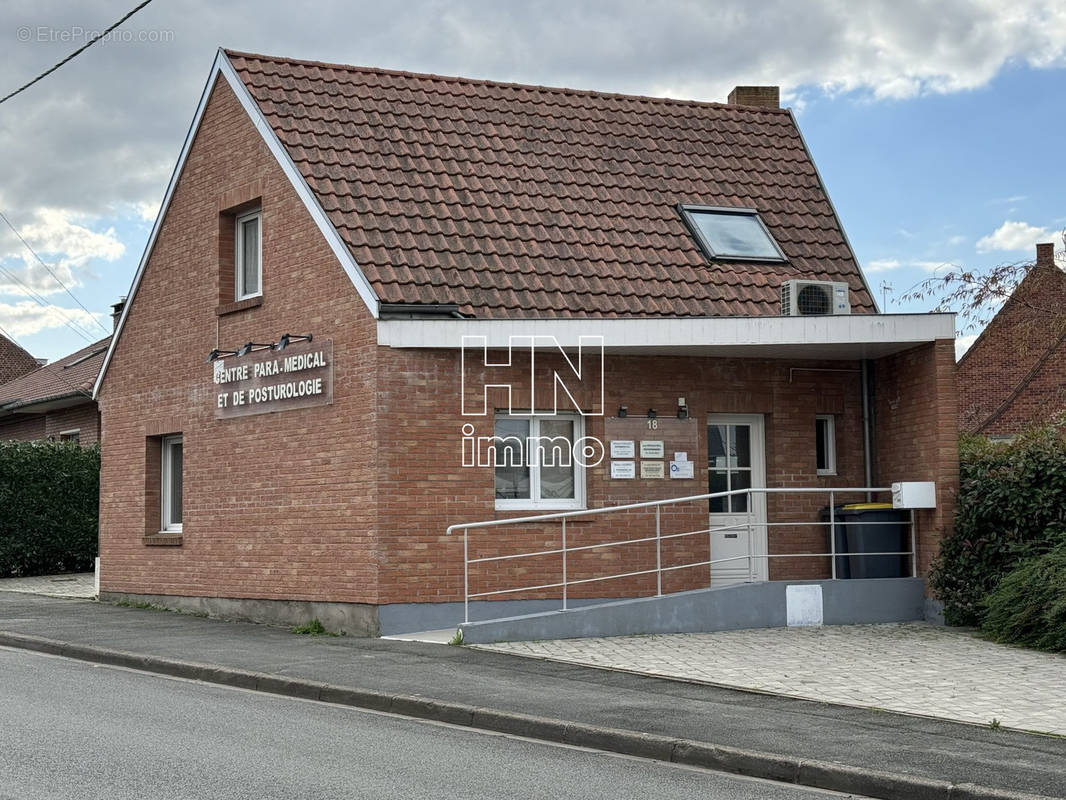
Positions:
{"x": 216, "y": 354}
{"x": 289, "y": 338}
{"x": 623, "y": 411}
{"x": 253, "y": 347}
{"x": 651, "y": 413}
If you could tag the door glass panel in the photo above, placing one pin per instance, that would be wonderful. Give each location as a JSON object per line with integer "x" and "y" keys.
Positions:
{"x": 741, "y": 440}
{"x": 740, "y": 480}
{"x": 718, "y": 481}
{"x": 512, "y": 468}
{"x": 716, "y": 442}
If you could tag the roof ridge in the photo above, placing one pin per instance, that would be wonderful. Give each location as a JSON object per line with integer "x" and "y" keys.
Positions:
{"x": 563, "y": 90}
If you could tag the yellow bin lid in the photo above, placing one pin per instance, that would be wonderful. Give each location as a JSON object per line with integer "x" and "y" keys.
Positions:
{"x": 866, "y": 506}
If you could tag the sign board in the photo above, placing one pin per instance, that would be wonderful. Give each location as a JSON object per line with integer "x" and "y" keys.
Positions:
{"x": 623, "y": 469}
{"x": 622, "y": 448}
{"x": 652, "y": 469}
{"x": 681, "y": 469}
{"x": 300, "y": 376}
{"x": 652, "y": 448}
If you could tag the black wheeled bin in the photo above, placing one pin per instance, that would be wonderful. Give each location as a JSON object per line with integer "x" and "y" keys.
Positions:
{"x": 870, "y": 528}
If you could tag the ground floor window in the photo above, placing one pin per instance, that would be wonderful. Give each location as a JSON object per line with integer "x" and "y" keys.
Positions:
{"x": 171, "y": 483}
{"x": 825, "y": 444}
{"x": 70, "y": 436}
{"x": 535, "y": 463}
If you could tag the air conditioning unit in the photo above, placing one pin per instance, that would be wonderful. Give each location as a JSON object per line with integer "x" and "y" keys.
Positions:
{"x": 814, "y": 298}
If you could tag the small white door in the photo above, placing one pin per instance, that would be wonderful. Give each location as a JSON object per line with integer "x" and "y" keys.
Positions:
{"x": 736, "y": 459}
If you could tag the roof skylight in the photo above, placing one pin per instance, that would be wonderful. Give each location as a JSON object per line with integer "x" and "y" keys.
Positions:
{"x": 731, "y": 233}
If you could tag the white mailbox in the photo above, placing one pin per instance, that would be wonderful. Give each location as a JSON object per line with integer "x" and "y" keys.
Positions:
{"x": 914, "y": 494}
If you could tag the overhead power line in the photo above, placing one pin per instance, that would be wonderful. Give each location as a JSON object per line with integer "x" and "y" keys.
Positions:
{"x": 52, "y": 273}
{"x": 77, "y": 52}
{"x": 34, "y": 295}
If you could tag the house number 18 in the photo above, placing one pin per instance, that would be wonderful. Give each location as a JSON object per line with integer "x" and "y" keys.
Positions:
{"x": 653, "y": 424}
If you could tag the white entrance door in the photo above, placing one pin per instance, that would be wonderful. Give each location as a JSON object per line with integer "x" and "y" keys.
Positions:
{"x": 736, "y": 459}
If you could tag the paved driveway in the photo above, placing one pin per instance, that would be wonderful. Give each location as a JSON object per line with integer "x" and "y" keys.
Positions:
{"x": 80, "y": 585}
{"x": 912, "y": 668}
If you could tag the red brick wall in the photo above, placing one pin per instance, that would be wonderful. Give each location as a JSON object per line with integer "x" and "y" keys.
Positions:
{"x": 14, "y": 361}
{"x": 21, "y": 428}
{"x": 47, "y": 426}
{"x": 279, "y": 505}
{"x": 1014, "y": 375}
{"x": 425, "y": 489}
{"x": 916, "y": 434}
{"x": 84, "y": 417}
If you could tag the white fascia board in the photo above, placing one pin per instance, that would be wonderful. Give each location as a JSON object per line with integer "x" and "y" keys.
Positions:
{"x": 223, "y": 67}
{"x": 681, "y": 333}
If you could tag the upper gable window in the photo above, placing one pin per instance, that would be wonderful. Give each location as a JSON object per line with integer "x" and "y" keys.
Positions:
{"x": 248, "y": 262}
{"x": 731, "y": 233}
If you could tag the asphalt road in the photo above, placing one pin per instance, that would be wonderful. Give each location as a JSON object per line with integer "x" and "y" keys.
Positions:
{"x": 74, "y": 730}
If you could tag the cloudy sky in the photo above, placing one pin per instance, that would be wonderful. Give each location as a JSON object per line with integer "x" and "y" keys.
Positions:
{"x": 937, "y": 125}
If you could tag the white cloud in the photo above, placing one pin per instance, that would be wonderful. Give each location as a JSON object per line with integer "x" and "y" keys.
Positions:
{"x": 962, "y": 344}
{"x": 882, "y": 265}
{"x": 1016, "y": 236}
{"x": 64, "y": 242}
{"x": 55, "y": 232}
{"x": 26, "y": 317}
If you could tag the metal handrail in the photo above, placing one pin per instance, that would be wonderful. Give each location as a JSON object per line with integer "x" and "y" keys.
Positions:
{"x": 751, "y": 556}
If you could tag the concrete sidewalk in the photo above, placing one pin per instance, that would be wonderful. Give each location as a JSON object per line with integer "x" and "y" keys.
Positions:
{"x": 80, "y": 585}
{"x": 867, "y": 752}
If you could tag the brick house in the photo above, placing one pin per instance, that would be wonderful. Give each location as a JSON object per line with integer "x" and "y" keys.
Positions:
{"x": 334, "y": 239}
{"x": 1014, "y": 375}
{"x": 55, "y": 401}
{"x": 14, "y": 361}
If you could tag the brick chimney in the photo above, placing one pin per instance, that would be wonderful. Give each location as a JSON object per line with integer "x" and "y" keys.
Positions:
{"x": 1045, "y": 254}
{"x": 762, "y": 96}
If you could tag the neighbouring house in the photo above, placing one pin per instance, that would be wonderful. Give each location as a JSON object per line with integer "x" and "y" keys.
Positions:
{"x": 55, "y": 401}
{"x": 1014, "y": 374}
{"x": 14, "y": 361}
{"x": 326, "y": 354}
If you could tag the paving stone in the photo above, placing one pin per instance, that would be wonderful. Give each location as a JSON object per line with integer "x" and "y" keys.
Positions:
{"x": 912, "y": 668}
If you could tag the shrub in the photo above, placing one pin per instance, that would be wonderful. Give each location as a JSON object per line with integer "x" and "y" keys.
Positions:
{"x": 1029, "y": 605}
{"x": 1011, "y": 507}
{"x": 49, "y": 499}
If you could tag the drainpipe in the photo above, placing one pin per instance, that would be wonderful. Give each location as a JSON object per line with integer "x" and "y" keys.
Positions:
{"x": 866, "y": 424}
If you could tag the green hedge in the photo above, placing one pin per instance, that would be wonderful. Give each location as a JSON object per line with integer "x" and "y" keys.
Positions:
{"x": 1029, "y": 605}
{"x": 1011, "y": 507}
{"x": 49, "y": 500}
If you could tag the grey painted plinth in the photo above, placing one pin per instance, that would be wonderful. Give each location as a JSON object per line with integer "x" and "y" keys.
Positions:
{"x": 352, "y": 619}
{"x": 751, "y": 605}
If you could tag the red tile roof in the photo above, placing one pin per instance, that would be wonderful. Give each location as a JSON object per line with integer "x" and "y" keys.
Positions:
{"x": 72, "y": 375}
{"x": 513, "y": 200}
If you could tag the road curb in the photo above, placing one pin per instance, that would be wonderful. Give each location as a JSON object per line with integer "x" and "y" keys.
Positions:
{"x": 786, "y": 769}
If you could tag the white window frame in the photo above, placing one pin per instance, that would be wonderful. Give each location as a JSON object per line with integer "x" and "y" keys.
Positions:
{"x": 238, "y": 262}
{"x": 533, "y": 502}
{"x": 64, "y": 436}
{"x": 830, "y": 444}
{"x": 166, "y": 465}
